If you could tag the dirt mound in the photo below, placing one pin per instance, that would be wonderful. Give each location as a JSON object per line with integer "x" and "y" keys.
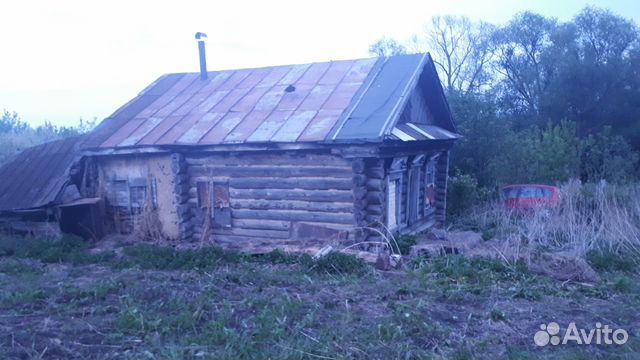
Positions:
{"x": 468, "y": 243}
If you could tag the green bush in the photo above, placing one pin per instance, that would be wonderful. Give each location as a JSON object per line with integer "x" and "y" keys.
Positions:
{"x": 338, "y": 263}
{"x": 405, "y": 242}
{"x": 463, "y": 193}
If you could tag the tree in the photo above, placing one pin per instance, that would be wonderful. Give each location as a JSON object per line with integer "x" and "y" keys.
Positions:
{"x": 524, "y": 62}
{"x": 387, "y": 47}
{"x": 461, "y": 49}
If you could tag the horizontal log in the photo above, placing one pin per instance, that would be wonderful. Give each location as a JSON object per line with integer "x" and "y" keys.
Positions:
{"x": 261, "y": 224}
{"x": 358, "y": 166}
{"x": 360, "y": 192}
{"x": 292, "y": 205}
{"x": 270, "y": 171}
{"x": 308, "y": 195}
{"x": 375, "y": 209}
{"x": 375, "y": 173}
{"x": 375, "y": 197}
{"x": 293, "y": 215}
{"x": 359, "y": 179}
{"x": 272, "y": 158}
{"x": 374, "y": 184}
{"x": 298, "y": 183}
{"x": 261, "y": 233}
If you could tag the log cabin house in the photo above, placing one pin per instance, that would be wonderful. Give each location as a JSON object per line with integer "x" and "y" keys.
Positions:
{"x": 275, "y": 156}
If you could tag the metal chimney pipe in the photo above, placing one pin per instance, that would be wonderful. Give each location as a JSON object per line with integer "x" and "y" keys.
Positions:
{"x": 203, "y": 57}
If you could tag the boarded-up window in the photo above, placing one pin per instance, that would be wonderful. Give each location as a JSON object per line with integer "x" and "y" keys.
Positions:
{"x": 137, "y": 193}
{"x": 204, "y": 194}
{"x": 430, "y": 185}
{"x": 221, "y": 205}
{"x": 119, "y": 194}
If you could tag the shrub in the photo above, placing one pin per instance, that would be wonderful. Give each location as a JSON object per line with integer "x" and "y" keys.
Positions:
{"x": 463, "y": 193}
{"x": 339, "y": 263}
{"x": 405, "y": 242}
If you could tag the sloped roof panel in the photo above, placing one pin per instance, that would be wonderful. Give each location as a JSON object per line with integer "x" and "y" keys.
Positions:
{"x": 348, "y": 100}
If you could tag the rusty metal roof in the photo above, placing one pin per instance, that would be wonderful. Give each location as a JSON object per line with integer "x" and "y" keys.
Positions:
{"x": 350, "y": 100}
{"x": 36, "y": 176}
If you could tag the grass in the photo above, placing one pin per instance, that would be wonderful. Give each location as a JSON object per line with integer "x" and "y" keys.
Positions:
{"x": 159, "y": 302}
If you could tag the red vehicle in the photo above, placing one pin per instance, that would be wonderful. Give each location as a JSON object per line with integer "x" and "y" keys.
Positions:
{"x": 530, "y": 196}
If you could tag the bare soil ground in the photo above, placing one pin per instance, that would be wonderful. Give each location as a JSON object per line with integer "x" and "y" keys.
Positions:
{"x": 146, "y": 302}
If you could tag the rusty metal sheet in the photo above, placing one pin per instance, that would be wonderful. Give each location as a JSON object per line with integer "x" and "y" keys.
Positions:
{"x": 249, "y": 101}
{"x": 341, "y": 96}
{"x": 294, "y": 126}
{"x": 313, "y": 74}
{"x": 35, "y": 177}
{"x": 156, "y": 134}
{"x": 168, "y": 96}
{"x": 207, "y": 104}
{"x": 123, "y": 133}
{"x": 342, "y": 100}
{"x": 320, "y": 126}
{"x": 270, "y": 126}
{"x": 336, "y": 72}
{"x": 141, "y": 131}
{"x": 248, "y": 125}
{"x": 235, "y": 78}
{"x": 359, "y": 71}
{"x": 229, "y": 100}
{"x": 253, "y": 78}
{"x": 291, "y": 100}
{"x": 271, "y": 98}
{"x": 223, "y": 128}
{"x": 173, "y": 134}
{"x": 277, "y": 73}
{"x": 294, "y": 74}
{"x": 317, "y": 97}
{"x": 216, "y": 79}
{"x": 194, "y": 133}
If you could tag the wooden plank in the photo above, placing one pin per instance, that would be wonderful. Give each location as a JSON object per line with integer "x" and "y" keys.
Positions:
{"x": 269, "y": 171}
{"x": 297, "y": 183}
{"x": 291, "y": 205}
{"x": 275, "y": 234}
{"x": 275, "y": 158}
{"x": 292, "y": 215}
{"x": 261, "y": 224}
{"x": 308, "y": 195}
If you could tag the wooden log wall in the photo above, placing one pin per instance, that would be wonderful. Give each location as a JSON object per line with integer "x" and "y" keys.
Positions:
{"x": 181, "y": 191}
{"x": 376, "y": 204}
{"x": 442, "y": 171}
{"x": 276, "y": 198}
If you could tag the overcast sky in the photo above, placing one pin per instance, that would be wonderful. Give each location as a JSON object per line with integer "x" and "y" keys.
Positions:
{"x": 62, "y": 60}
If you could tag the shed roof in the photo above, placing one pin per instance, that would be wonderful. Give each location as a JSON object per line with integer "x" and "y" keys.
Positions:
{"x": 36, "y": 176}
{"x": 338, "y": 101}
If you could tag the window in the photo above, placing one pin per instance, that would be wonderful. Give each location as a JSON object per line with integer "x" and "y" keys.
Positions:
{"x": 429, "y": 186}
{"x": 204, "y": 199}
{"x": 213, "y": 197}
{"x": 392, "y": 205}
